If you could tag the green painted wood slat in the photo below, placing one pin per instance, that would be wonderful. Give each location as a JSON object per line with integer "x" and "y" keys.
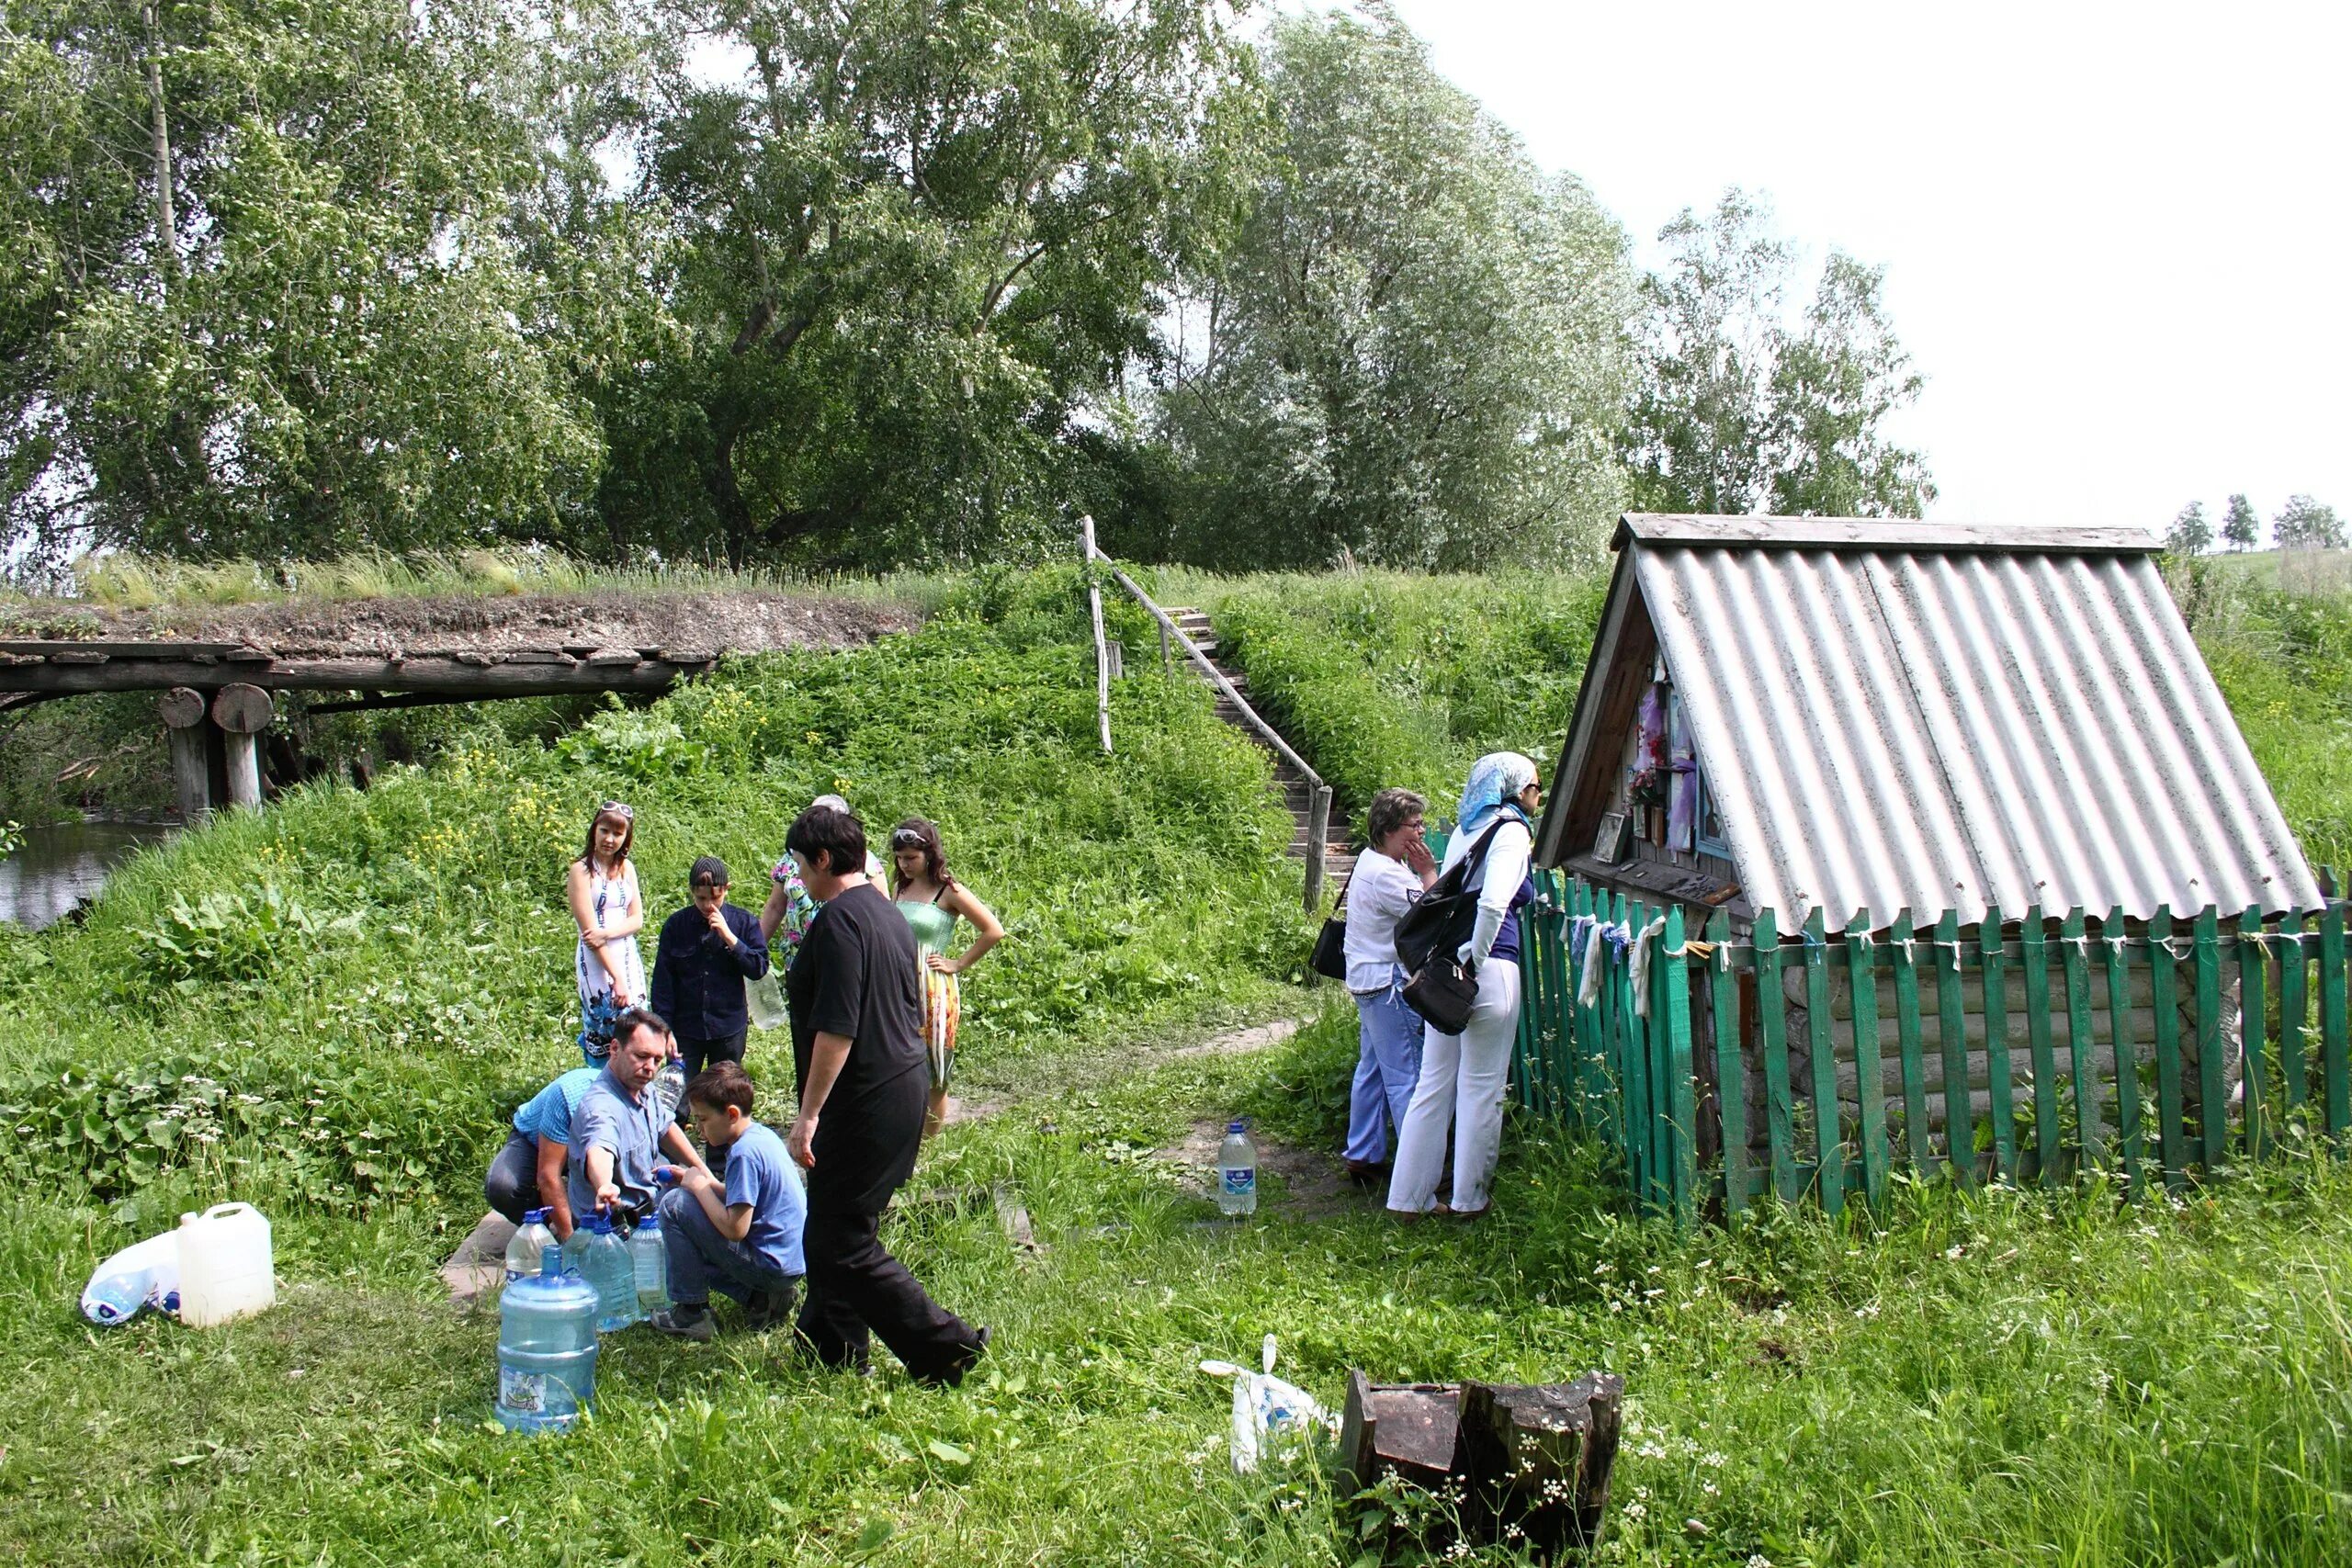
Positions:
{"x": 2000, "y": 1107}
{"x": 2294, "y": 1012}
{"x": 2164, "y": 976}
{"x": 1951, "y": 1035}
{"x": 1771, "y": 1016}
{"x": 2335, "y": 1071}
{"x": 2127, "y": 1069}
{"x": 1906, "y": 1024}
{"x": 2033, "y": 958}
{"x": 2254, "y": 1029}
{"x": 2075, "y": 961}
{"x": 1869, "y": 1071}
{"x": 2213, "y": 1111}
{"x": 1672, "y": 977}
{"x": 1731, "y": 1074}
{"x": 1829, "y": 1152}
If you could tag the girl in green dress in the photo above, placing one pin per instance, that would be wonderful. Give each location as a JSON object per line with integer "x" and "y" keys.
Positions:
{"x": 931, "y": 899}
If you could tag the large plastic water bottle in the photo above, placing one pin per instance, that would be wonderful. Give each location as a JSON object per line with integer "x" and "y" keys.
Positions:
{"x": 523, "y": 1251}
{"x": 148, "y": 1273}
{"x": 650, "y": 1260}
{"x": 668, "y": 1087}
{"x": 1236, "y": 1172}
{"x": 546, "y": 1349}
{"x": 605, "y": 1264}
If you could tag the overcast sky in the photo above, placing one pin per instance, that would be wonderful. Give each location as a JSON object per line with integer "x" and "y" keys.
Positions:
{"x": 2116, "y": 237}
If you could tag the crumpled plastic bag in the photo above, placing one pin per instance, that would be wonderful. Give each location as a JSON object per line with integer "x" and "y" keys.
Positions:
{"x": 1267, "y": 1414}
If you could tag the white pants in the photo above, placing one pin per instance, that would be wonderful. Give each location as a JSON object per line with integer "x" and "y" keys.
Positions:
{"x": 1463, "y": 1078}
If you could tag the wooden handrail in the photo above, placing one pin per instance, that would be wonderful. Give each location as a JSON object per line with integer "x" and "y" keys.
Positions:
{"x": 1319, "y": 797}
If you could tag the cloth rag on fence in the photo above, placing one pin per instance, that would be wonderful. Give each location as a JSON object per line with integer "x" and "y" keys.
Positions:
{"x": 1593, "y": 939}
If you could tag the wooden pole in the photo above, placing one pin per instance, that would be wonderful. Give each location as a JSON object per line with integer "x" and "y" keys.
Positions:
{"x": 243, "y": 712}
{"x": 184, "y": 720}
{"x": 1167, "y": 658}
{"x": 1318, "y": 841}
{"x": 1102, "y": 653}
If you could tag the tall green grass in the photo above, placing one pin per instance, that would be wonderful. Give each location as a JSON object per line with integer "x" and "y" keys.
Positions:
{"x": 329, "y": 1002}
{"x": 1385, "y": 679}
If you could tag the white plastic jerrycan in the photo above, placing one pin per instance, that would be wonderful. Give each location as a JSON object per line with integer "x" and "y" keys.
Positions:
{"x": 225, "y": 1264}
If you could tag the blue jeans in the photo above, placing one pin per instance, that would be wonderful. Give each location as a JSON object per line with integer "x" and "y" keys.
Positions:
{"x": 701, "y": 1259}
{"x": 1388, "y": 1066}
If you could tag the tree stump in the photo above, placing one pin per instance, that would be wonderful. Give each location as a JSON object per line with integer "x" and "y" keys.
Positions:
{"x": 1539, "y": 1457}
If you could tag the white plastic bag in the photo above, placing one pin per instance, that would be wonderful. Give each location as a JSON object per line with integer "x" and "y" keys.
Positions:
{"x": 1267, "y": 1414}
{"x": 764, "y": 998}
{"x": 146, "y": 1274}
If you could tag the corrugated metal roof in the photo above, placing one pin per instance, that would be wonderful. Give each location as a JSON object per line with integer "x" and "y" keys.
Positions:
{"x": 1904, "y": 727}
{"x": 1878, "y": 533}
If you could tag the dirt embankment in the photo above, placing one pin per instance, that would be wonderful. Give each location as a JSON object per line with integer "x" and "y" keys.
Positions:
{"x": 737, "y": 621}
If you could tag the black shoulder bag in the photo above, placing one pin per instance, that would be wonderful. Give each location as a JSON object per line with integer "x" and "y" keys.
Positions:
{"x": 1442, "y": 988}
{"x": 1329, "y": 958}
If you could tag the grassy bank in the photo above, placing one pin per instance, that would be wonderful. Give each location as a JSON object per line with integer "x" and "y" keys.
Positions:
{"x": 2010, "y": 1380}
{"x": 316, "y": 1004}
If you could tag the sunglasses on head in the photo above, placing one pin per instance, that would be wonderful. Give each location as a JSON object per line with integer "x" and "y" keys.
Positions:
{"x": 615, "y": 809}
{"x": 907, "y": 838}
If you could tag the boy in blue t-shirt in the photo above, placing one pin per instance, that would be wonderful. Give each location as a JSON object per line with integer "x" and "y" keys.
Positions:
{"x": 528, "y": 1172}
{"x": 740, "y": 1233}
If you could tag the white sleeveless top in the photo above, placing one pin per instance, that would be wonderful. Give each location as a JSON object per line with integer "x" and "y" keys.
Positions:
{"x": 610, "y": 899}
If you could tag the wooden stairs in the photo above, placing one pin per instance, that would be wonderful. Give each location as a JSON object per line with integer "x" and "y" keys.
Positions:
{"x": 1338, "y": 858}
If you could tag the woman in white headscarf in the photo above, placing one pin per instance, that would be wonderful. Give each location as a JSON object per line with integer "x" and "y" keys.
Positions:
{"x": 1463, "y": 1076}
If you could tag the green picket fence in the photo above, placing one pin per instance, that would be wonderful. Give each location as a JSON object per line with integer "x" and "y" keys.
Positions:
{"x": 1727, "y": 1073}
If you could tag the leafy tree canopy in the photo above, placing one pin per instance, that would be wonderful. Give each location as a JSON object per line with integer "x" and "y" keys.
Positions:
{"x": 1740, "y": 411}
{"x": 2305, "y": 524}
{"x": 2190, "y": 534}
{"x": 2241, "y": 528}
{"x": 1415, "y": 351}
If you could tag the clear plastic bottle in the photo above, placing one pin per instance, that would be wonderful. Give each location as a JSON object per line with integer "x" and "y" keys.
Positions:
{"x": 546, "y": 1349}
{"x": 524, "y": 1249}
{"x": 650, "y": 1261}
{"x": 1236, "y": 1172}
{"x": 604, "y": 1263}
{"x": 668, "y": 1087}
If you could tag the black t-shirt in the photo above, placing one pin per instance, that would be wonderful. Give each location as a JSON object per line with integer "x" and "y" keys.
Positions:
{"x": 858, "y": 974}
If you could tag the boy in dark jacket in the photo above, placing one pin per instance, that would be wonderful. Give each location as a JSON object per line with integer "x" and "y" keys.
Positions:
{"x": 708, "y": 950}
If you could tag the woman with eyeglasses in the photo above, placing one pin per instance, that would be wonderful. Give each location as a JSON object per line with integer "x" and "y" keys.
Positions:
{"x": 931, "y": 898}
{"x": 603, "y": 888}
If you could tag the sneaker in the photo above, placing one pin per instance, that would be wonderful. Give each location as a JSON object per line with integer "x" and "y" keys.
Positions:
{"x": 687, "y": 1323}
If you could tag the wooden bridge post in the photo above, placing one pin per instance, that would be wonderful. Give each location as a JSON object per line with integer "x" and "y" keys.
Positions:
{"x": 1318, "y": 841}
{"x": 243, "y": 712}
{"x": 185, "y": 720}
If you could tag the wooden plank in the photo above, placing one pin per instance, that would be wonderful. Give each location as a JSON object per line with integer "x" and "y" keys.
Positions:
{"x": 1633, "y": 1090}
{"x": 2335, "y": 1071}
{"x": 2334, "y": 1028}
{"x": 2294, "y": 1014}
{"x": 1731, "y": 1075}
{"x": 1569, "y": 1099}
{"x": 1876, "y": 534}
{"x": 1904, "y": 955}
{"x": 2164, "y": 973}
{"x": 1771, "y": 1016}
{"x": 2127, "y": 1072}
{"x": 2213, "y": 1111}
{"x": 2001, "y": 1110}
{"x": 1829, "y": 1151}
{"x": 1951, "y": 1035}
{"x": 1671, "y": 976}
{"x": 2254, "y": 1028}
{"x": 1870, "y": 1072}
{"x": 120, "y": 648}
{"x": 2033, "y": 958}
{"x": 2074, "y": 958}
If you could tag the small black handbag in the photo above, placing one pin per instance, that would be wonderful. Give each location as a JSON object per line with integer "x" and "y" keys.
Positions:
{"x": 1329, "y": 958}
{"x": 1442, "y": 991}
{"x": 1442, "y": 988}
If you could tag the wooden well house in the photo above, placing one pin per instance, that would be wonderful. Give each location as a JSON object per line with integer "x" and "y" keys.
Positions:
{"x": 1978, "y": 763}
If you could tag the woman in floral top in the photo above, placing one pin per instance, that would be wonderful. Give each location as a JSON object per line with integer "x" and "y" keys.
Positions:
{"x": 785, "y": 918}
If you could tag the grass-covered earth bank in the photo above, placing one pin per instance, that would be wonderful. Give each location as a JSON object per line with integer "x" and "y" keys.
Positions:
{"x": 330, "y": 1008}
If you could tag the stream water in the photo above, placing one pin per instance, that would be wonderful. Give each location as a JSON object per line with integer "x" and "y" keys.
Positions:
{"x": 61, "y": 866}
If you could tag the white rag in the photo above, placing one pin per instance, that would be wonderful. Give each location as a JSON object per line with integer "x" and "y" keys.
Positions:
{"x": 1642, "y": 965}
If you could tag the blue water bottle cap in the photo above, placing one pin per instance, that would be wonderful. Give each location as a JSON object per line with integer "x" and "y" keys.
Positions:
{"x": 535, "y": 1216}
{"x": 551, "y": 1263}
{"x": 652, "y": 1222}
{"x": 1234, "y": 1126}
